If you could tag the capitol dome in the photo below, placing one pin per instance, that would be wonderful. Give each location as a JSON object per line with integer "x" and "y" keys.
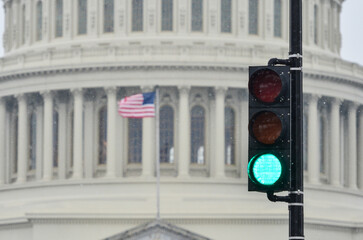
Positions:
{"x": 71, "y": 168}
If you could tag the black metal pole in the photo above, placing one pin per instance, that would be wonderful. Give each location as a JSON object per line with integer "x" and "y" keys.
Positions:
{"x": 296, "y": 194}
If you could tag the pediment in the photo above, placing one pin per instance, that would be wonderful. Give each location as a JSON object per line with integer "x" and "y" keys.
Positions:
{"x": 157, "y": 230}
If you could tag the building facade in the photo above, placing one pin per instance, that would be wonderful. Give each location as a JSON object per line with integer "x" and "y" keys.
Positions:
{"x": 71, "y": 168}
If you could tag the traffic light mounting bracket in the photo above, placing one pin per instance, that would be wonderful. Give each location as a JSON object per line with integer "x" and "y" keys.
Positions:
{"x": 275, "y": 61}
{"x": 274, "y": 198}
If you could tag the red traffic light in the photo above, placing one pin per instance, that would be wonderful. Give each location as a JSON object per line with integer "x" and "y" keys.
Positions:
{"x": 266, "y": 127}
{"x": 265, "y": 85}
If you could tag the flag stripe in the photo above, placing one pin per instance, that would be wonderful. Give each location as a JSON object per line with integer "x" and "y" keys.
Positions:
{"x": 136, "y": 106}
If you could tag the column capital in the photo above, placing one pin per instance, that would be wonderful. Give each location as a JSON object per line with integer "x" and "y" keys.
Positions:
{"x": 312, "y": 98}
{"x": 21, "y": 97}
{"x": 147, "y": 88}
{"x": 337, "y": 101}
{"x": 184, "y": 89}
{"x": 220, "y": 90}
{"x": 77, "y": 91}
{"x": 353, "y": 106}
{"x": 110, "y": 90}
{"x": 47, "y": 94}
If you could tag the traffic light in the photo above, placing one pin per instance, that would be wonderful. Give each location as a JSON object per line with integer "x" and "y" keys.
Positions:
{"x": 269, "y": 129}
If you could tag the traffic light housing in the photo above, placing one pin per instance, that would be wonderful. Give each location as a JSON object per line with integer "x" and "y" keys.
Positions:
{"x": 269, "y": 129}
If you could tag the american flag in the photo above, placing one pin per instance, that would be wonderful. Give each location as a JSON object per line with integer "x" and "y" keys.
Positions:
{"x": 137, "y": 106}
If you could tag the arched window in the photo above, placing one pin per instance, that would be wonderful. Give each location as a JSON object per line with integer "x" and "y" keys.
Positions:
{"x": 229, "y": 134}
{"x": 167, "y": 15}
{"x": 134, "y": 140}
{"x": 59, "y": 18}
{"x": 102, "y": 135}
{"x": 32, "y": 140}
{"x": 197, "y": 15}
{"x": 197, "y": 135}
{"x": 226, "y": 16}
{"x": 166, "y": 134}
{"x": 108, "y": 16}
{"x": 253, "y": 17}
{"x": 316, "y": 22}
{"x": 39, "y": 17}
{"x": 277, "y": 18}
{"x": 55, "y": 138}
{"x": 82, "y": 16}
{"x": 23, "y": 24}
{"x": 137, "y": 15}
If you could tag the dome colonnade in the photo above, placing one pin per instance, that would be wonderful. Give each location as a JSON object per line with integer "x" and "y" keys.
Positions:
{"x": 65, "y": 153}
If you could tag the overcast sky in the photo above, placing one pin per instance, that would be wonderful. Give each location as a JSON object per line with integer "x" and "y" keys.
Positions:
{"x": 351, "y": 29}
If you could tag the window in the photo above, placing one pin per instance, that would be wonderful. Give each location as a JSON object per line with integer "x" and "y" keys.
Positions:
{"x": 137, "y": 15}
{"x": 39, "y": 16}
{"x": 197, "y": 134}
{"x": 166, "y": 134}
{"x": 226, "y": 16}
{"x": 230, "y": 138}
{"x": 134, "y": 140}
{"x": 108, "y": 16}
{"x": 197, "y": 15}
{"x": 316, "y": 22}
{"x": 32, "y": 140}
{"x": 277, "y": 18}
{"x": 102, "y": 135}
{"x": 253, "y": 17}
{"x": 82, "y": 16}
{"x": 167, "y": 15}
{"x": 55, "y": 138}
{"x": 59, "y": 18}
{"x": 23, "y": 25}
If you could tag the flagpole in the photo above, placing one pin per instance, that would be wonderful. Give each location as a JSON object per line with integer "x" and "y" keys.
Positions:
{"x": 157, "y": 154}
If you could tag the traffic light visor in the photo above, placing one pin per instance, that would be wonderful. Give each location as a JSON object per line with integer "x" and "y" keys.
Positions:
{"x": 265, "y": 85}
{"x": 266, "y": 127}
{"x": 265, "y": 169}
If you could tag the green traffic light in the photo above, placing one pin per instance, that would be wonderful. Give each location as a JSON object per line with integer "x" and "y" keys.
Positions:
{"x": 266, "y": 169}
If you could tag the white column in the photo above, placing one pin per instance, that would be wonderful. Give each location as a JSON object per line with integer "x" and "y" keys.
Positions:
{"x": 78, "y": 134}
{"x": 2, "y": 140}
{"x": 352, "y": 146}
{"x": 46, "y": 21}
{"x": 62, "y": 138}
{"x": 150, "y": 17}
{"x": 22, "y": 138}
{"x": 89, "y": 135}
{"x": 148, "y": 142}
{"x": 111, "y": 132}
{"x": 335, "y": 143}
{"x": 120, "y": 143}
{"x": 39, "y": 146}
{"x": 48, "y": 136}
{"x": 220, "y": 136}
{"x": 68, "y": 6}
{"x": 213, "y": 17}
{"x": 7, "y": 26}
{"x": 184, "y": 132}
{"x": 313, "y": 141}
{"x": 15, "y": 15}
{"x": 244, "y": 133}
{"x": 360, "y": 149}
